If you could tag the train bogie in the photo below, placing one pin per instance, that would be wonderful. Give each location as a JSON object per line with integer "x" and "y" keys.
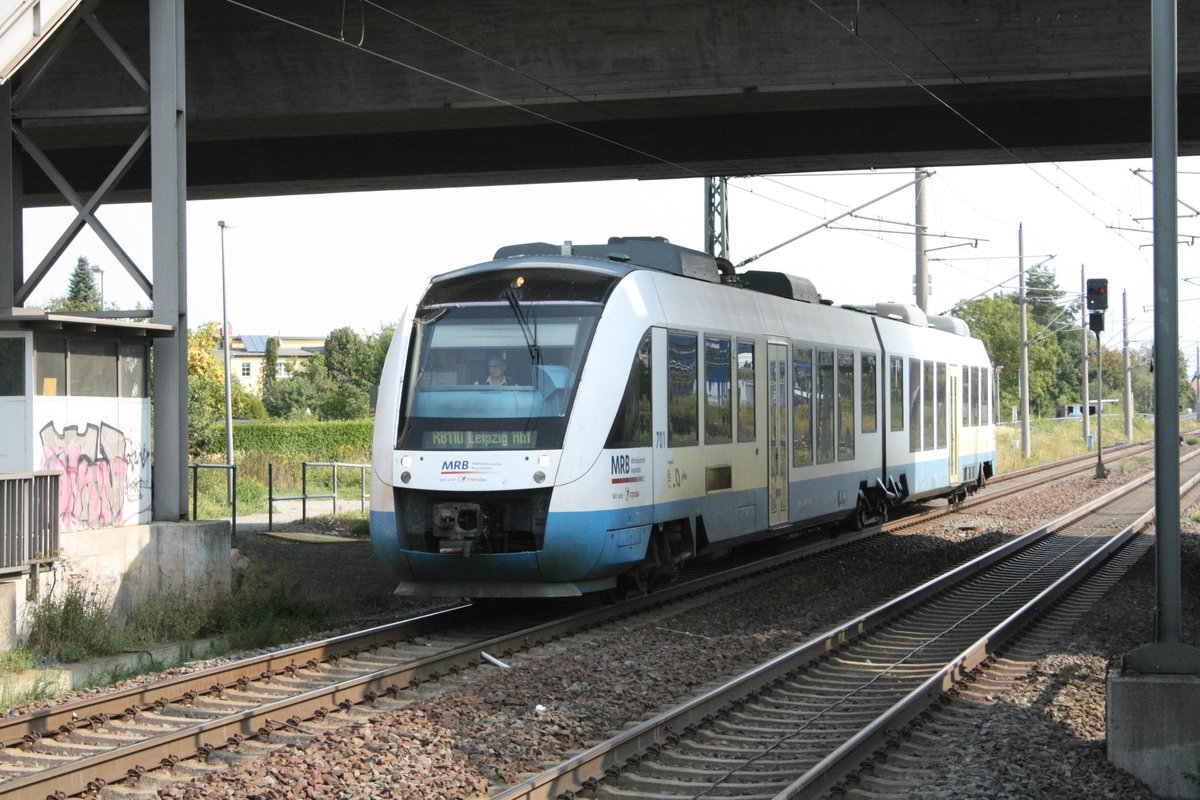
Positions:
{"x": 652, "y": 411}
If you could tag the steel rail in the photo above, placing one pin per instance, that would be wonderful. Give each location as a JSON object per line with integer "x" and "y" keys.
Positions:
{"x": 113, "y": 764}
{"x": 587, "y": 768}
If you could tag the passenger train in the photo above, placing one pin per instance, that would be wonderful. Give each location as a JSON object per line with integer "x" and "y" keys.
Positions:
{"x": 655, "y": 407}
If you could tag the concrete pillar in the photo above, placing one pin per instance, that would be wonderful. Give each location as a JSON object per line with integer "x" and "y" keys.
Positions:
{"x": 1154, "y": 730}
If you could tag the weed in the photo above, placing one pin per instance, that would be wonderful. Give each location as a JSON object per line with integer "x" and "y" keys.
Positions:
{"x": 263, "y": 611}
{"x": 17, "y": 660}
{"x": 75, "y": 627}
{"x": 167, "y": 617}
{"x": 44, "y": 687}
{"x": 120, "y": 672}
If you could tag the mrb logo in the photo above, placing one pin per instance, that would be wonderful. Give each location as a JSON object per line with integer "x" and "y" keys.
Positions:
{"x": 620, "y": 465}
{"x": 451, "y": 466}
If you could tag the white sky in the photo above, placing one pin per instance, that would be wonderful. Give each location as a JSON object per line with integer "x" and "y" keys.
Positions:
{"x": 308, "y": 264}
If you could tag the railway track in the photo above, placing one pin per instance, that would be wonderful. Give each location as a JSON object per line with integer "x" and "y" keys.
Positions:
{"x": 91, "y": 745}
{"x": 794, "y": 727}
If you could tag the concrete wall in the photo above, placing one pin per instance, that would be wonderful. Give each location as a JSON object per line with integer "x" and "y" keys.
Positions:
{"x": 127, "y": 566}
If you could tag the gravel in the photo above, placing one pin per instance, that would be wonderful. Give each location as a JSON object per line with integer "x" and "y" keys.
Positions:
{"x": 1043, "y": 737}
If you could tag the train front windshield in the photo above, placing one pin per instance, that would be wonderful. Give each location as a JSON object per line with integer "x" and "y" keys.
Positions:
{"x": 496, "y": 373}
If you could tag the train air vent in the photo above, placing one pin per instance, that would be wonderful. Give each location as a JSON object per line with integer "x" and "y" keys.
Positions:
{"x": 781, "y": 284}
{"x": 950, "y": 325}
{"x": 903, "y": 312}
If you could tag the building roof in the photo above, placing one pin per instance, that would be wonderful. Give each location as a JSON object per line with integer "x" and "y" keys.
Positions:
{"x": 18, "y": 318}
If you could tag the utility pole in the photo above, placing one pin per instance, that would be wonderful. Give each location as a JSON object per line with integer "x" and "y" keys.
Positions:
{"x": 716, "y": 216}
{"x": 1026, "y": 442}
{"x": 921, "y": 279}
{"x": 1127, "y": 383}
{"x": 228, "y": 384}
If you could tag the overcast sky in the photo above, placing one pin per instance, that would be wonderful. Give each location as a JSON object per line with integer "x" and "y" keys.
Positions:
{"x": 308, "y": 264}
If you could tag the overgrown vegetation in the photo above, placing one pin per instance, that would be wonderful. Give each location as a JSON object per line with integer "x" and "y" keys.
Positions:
{"x": 1054, "y": 440}
{"x": 259, "y": 611}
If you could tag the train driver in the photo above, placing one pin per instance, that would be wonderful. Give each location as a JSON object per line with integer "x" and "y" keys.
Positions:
{"x": 496, "y": 377}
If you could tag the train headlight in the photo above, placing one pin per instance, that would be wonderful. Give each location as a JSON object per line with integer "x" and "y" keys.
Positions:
{"x": 405, "y": 476}
{"x": 406, "y": 461}
{"x": 543, "y": 460}
{"x": 539, "y": 477}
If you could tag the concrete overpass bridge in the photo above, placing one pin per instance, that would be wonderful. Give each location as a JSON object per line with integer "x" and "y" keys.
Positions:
{"x": 133, "y": 99}
{"x": 287, "y": 96}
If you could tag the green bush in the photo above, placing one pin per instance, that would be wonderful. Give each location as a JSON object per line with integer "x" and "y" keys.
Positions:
{"x": 312, "y": 441}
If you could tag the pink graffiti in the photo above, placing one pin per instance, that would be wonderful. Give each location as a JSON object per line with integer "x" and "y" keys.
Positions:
{"x": 97, "y": 473}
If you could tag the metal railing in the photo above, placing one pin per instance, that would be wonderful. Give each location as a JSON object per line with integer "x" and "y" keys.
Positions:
{"x": 195, "y": 468}
{"x": 304, "y": 496}
{"x": 28, "y": 518}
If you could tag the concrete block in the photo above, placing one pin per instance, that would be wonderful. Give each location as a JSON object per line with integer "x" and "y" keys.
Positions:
{"x": 1154, "y": 730}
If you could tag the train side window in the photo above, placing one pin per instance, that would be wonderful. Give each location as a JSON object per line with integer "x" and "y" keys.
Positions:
{"x": 976, "y": 395}
{"x": 845, "y": 404}
{"x": 870, "y": 394}
{"x": 802, "y": 406}
{"x": 826, "y": 407}
{"x": 941, "y": 421}
{"x": 914, "y": 404}
{"x": 896, "y": 383}
{"x": 683, "y": 405}
{"x": 745, "y": 389}
{"x": 985, "y": 396}
{"x": 966, "y": 396}
{"x": 928, "y": 402}
{"x": 718, "y": 391}
{"x": 634, "y": 422}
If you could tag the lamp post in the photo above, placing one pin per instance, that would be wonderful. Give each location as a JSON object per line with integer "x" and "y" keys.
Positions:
{"x": 228, "y": 386}
{"x": 97, "y": 269}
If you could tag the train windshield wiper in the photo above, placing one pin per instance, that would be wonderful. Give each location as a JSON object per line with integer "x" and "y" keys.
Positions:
{"x": 528, "y": 331}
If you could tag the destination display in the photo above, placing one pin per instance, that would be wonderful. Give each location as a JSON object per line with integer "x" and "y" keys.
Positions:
{"x": 479, "y": 440}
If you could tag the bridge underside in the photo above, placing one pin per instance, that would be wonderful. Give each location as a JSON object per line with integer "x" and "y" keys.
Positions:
{"x": 614, "y": 89}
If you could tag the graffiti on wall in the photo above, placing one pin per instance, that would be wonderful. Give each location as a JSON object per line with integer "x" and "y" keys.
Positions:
{"x": 103, "y": 475}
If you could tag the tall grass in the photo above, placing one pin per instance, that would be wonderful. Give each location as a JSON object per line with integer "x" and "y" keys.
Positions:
{"x": 253, "y": 473}
{"x": 1052, "y": 440}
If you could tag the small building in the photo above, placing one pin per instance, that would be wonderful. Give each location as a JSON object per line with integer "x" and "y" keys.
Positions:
{"x": 75, "y": 471}
{"x": 1075, "y": 410}
{"x": 74, "y": 398}
{"x": 247, "y": 352}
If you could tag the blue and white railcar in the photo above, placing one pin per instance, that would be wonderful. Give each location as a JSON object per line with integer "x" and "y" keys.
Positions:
{"x": 655, "y": 407}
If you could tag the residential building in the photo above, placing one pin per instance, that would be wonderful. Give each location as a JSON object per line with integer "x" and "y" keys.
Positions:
{"x": 247, "y": 352}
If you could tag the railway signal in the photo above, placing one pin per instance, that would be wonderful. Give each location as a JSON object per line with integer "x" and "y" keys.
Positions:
{"x": 1097, "y": 294}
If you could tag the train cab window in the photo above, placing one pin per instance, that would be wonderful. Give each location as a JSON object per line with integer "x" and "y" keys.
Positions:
{"x": 718, "y": 391}
{"x": 914, "y": 404}
{"x": 940, "y": 410}
{"x": 896, "y": 393}
{"x": 826, "y": 407}
{"x": 683, "y": 407}
{"x": 845, "y": 405}
{"x": 745, "y": 391}
{"x": 870, "y": 393}
{"x": 802, "y": 406}
{"x": 634, "y": 421}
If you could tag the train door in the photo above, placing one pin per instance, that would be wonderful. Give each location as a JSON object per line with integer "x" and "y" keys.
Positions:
{"x": 953, "y": 416}
{"x": 777, "y": 433}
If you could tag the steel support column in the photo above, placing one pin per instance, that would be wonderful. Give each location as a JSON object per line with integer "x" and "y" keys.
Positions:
{"x": 168, "y": 193}
{"x": 11, "y": 272}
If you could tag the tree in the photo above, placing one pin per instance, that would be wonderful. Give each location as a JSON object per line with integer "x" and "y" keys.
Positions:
{"x": 206, "y": 393}
{"x": 345, "y": 356}
{"x": 82, "y": 294}
{"x": 270, "y": 365}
